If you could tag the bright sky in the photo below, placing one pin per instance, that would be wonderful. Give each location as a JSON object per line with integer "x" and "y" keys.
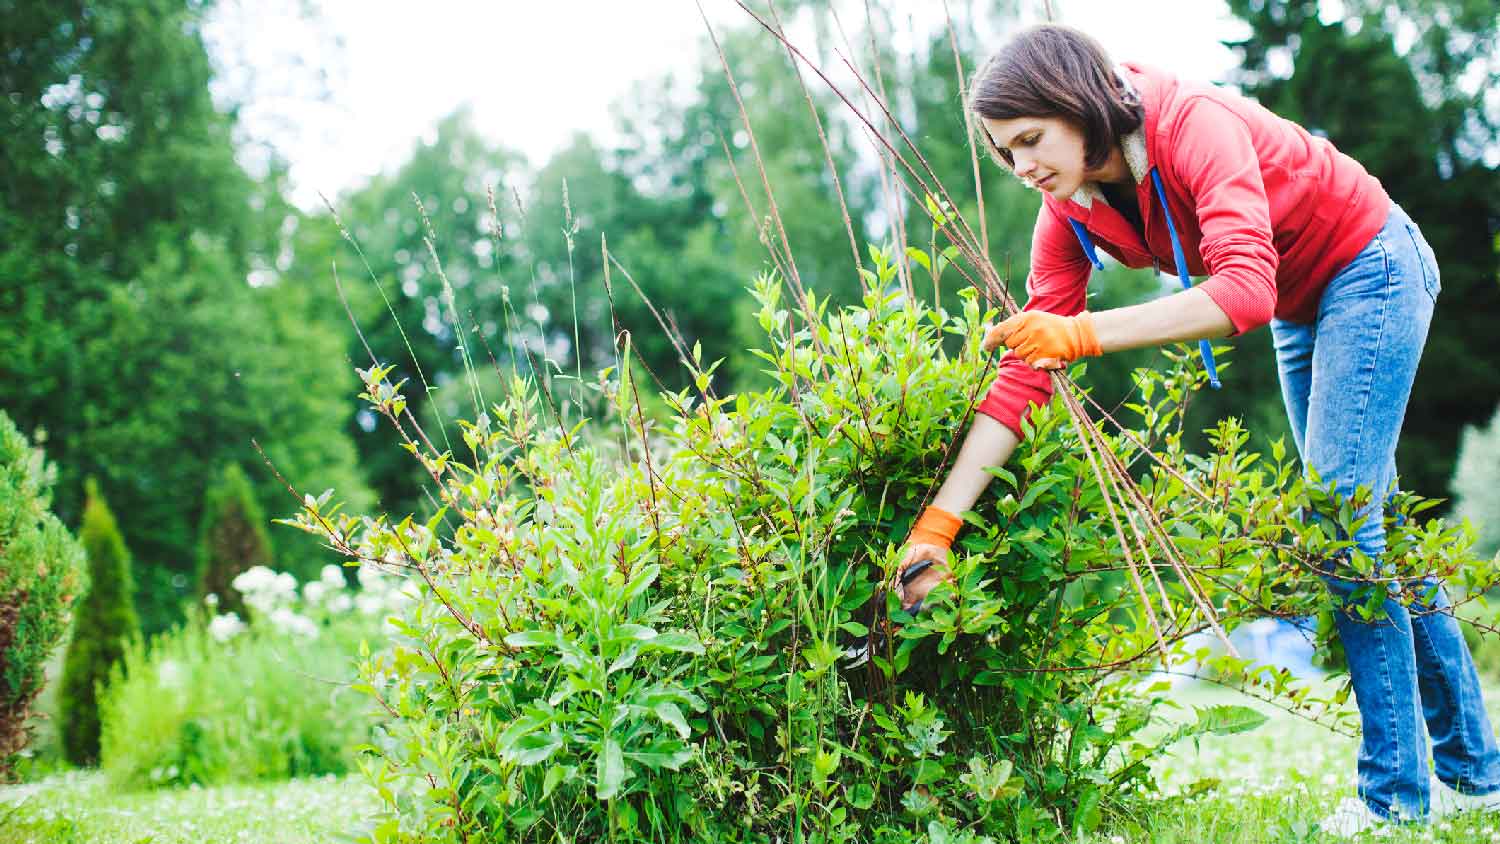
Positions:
{"x": 535, "y": 72}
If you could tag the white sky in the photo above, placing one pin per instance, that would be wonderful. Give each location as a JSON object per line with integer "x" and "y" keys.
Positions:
{"x": 533, "y": 72}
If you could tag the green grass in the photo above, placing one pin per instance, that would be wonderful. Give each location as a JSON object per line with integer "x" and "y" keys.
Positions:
{"x": 1275, "y": 784}
{"x": 78, "y": 808}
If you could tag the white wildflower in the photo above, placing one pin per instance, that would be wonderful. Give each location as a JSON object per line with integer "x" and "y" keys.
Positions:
{"x": 225, "y": 627}
{"x": 291, "y": 622}
{"x": 313, "y": 591}
{"x": 332, "y": 576}
{"x": 169, "y": 673}
{"x": 254, "y": 579}
{"x": 340, "y": 603}
{"x": 369, "y": 604}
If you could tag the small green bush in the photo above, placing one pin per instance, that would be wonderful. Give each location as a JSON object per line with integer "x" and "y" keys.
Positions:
{"x": 41, "y": 575}
{"x": 219, "y": 700}
{"x": 105, "y": 622}
{"x": 635, "y": 636}
{"x": 231, "y": 539}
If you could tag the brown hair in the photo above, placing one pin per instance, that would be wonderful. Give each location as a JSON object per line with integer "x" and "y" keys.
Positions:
{"x": 1055, "y": 71}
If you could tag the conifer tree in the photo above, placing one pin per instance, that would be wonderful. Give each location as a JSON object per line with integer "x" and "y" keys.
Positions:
{"x": 41, "y": 574}
{"x": 105, "y": 621}
{"x": 231, "y": 539}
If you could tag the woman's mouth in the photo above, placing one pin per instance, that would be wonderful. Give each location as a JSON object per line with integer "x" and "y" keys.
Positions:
{"x": 1045, "y": 184}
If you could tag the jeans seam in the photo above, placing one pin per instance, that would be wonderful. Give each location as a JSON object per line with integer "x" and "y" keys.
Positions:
{"x": 1428, "y": 286}
{"x": 1390, "y": 695}
{"x": 1367, "y": 372}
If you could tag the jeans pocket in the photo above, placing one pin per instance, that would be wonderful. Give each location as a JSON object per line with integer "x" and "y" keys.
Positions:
{"x": 1432, "y": 279}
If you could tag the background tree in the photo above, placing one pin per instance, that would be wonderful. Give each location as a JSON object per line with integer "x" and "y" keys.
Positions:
{"x": 1402, "y": 88}
{"x": 147, "y": 328}
{"x": 41, "y": 575}
{"x": 400, "y": 302}
{"x": 232, "y": 539}
{"x": 105, "y": 621}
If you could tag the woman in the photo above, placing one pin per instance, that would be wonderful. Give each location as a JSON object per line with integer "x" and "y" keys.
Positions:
{"x": 1291, "y": 232}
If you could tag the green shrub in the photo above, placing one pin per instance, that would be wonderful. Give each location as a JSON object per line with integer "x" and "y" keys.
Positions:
{"x": 105, "y": 621}
{"x": 640, "y": 639}
{"x": 231, "y": 539}
{"x": 217, "y": 700}
{"x": 41, "y": 575}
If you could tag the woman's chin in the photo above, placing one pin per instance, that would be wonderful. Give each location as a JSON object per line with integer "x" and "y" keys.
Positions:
{"x": 1053, "y": 186}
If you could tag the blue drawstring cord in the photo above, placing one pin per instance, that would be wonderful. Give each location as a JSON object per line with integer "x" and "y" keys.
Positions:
{"x": 1205, "y": 350}
{"x": 1088, "y": 245}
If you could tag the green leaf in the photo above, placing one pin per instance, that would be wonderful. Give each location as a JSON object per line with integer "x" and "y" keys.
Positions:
{"x": 676, "y": 641}
{"x": 609, "y": 771}
{"x": 1086, "y": 819}
{"x": 920, "y": 257}
{"x": 669, "y": 713}
{"x": 626, "y": 658}
{"x": 535, "y": 748}
{"x": 532, "y": 639}
{"x": 1228, "y": 719}
{"x": 656, "y": 759}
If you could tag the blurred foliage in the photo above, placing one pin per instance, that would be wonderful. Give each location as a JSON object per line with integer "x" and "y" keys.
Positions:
{"x": 133, "y": 338}
{"x": 1476, "y": 483}
{"x": 1402, "y": 88}
{"x": 218, "y": 700}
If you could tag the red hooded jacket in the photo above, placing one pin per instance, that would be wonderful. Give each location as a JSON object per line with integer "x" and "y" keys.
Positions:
{"x": 1268, "y": 211}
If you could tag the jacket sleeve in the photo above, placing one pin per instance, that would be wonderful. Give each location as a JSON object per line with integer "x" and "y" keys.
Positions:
{"x": 1212, "y": 156}
{"x": 1058, "y": 283}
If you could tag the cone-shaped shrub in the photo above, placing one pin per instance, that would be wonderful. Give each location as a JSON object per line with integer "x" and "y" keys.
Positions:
{"x": 41, "y": 574}
{"x": 232, "y": 538}
{"x": 105, "y": 621}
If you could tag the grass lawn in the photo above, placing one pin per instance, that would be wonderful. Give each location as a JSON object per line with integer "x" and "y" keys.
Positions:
{"x": 1275, "y": 784}
{"x": 78, "y": 808}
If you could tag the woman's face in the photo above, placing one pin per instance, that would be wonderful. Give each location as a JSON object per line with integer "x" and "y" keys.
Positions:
{"x": 1048, "y": 152}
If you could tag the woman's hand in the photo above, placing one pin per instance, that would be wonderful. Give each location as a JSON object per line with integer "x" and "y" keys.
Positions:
{"x": 1045, "y": 340}
{"x": 930, "y": 539}
{"x": 923, "y": 583}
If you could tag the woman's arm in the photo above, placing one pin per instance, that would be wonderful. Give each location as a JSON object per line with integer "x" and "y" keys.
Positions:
{"x": 1050, "y": 341}
{"x": 988, "y": 443}
{"x": 1188, "y": 315}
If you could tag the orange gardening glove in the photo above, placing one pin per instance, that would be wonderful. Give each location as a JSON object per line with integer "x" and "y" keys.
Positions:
{"x": 930, "y": 539}
{"x": 1045, "y": 340}
{"x": 935, "y": 527}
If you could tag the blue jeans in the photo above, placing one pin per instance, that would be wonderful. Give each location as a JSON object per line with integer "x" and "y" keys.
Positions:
{"x": 1346, "y": 380}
